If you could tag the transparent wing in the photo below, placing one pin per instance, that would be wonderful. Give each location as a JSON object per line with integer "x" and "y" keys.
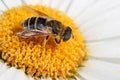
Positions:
{"x": 39, "y": 13}
{"x": 34, "y": 33}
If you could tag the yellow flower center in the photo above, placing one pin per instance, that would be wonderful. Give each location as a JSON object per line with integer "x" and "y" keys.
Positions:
{"x": 57, "y": 60}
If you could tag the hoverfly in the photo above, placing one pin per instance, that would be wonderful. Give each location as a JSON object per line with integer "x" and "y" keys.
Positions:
{"x": 44, "y": 25}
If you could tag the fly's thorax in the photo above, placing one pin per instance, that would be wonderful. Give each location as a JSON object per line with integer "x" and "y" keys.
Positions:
{"x": 57, "y": 27}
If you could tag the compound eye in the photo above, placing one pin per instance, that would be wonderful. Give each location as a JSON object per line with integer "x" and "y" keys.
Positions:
{"x": 67, "y": 34}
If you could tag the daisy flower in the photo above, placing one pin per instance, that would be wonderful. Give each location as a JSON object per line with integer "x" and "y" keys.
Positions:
{"x": 96, "y": 38}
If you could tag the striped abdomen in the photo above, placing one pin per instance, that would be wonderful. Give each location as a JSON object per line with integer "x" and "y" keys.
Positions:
{"x": 33, "y": 23}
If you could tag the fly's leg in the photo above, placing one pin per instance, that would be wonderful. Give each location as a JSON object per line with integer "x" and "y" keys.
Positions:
{"x": 45, "y": 41}
{"x": 44, "y": 44}
{"x": 57, "y": 41}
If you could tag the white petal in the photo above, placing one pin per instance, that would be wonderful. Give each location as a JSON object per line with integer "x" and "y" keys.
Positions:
{"x": 99, "y": 70}
{"x": 32, "y": 1}
{"x": 12, "y": 73}
{"x": 61, "y": 5}
{"x": 8, "y": 74}
{"x": 30, "y": 78}
{"x": 100, "y": 20}
{"x": 2, "y": 7}
{"x": 10, "y": 4}
{"x": 21, "y": 75}
{"x": 47, "y": 2}
{"x": 55, "y": 4}
{"x": 3, "y": 68}
{"x": 79, "y": 6}
{"x": 65, "y": 5}
{"x": 105, "y": 49}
